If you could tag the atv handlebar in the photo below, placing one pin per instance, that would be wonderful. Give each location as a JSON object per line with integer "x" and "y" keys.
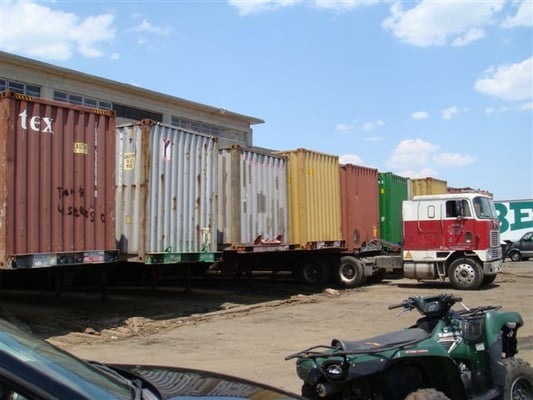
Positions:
{"x": 430, "y": 305}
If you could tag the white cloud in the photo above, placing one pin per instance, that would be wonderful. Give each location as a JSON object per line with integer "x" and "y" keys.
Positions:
{"x": 146, "y": 26}
{"x": 453, "y": 159}
{"x": 342, "y": 5}
{"x": 373, "y": 125}
{"x": 420, "y": 115}
{"x": 523, "y": 17}
{"x": 450, "y": 112}
{"x": 59, "y": 33}
{"x": 411, "y": 152}
{"x": 247, "y": 7}
{"x": 421, "y": 173}
{"x": 436, "y": 23}
{"x": 508, "y": 82}
{"x": 343, "y": 128}
{"x": 350, "y": 159}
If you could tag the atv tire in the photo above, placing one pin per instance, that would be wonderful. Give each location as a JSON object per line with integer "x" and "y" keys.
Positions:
{"x": 309, "y": 392}
{"x": 427, "y": 394}
{"x": 518, "y": 379}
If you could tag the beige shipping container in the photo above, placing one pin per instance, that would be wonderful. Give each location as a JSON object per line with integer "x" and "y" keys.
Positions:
{"x": 314, "y": 197}
{"x": 57, "y": 187}
{"x": 426, "y": 186}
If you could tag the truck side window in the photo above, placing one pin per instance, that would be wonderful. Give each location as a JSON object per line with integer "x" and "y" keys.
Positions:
{"x": 451, "y": 209}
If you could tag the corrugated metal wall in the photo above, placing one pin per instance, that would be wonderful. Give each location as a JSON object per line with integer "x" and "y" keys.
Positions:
{"x": 393, "y": 189}
{"x": 252, "y": 194}
{"x": 425, "y": 186}
{"x": 359, "y": 204}
{"x": 314, "y": 196}
{"x": 166, "y": 190}
{"x": 57, "y": 177}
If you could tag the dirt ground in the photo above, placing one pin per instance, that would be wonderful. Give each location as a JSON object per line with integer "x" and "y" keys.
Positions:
{"x": 243, "y": 329}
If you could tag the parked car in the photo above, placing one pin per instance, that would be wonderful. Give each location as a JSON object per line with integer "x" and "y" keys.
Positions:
{"x": 521, "y": 249}
{"x": 33, "y": 369}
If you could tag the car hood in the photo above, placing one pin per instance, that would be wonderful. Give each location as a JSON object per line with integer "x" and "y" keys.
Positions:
{"x": 184, "y": 383}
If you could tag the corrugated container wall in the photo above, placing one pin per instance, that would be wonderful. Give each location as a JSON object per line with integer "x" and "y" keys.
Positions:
{"x": 314, "y": 197}
{"x": 427, "y": 186}
{"x": 166, "y": 191}
{"x": 56, "y": 182}
{"x": 252, "y": 196}
{"x": 393, "y": 189}
{"x": 359, "y": 204}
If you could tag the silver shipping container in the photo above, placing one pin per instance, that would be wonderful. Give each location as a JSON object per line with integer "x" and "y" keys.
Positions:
{"x": 165, "y": 194}
{"x": 252, "y": 196}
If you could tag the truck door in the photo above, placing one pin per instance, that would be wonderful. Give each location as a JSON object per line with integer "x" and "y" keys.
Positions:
{"x": 458, "y": 225}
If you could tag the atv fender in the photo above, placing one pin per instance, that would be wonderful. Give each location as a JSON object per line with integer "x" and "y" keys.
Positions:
{"x": 438, "y": 372}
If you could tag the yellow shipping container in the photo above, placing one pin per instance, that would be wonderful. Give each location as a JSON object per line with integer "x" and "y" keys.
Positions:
{"x": 314, "y": 197}
{"x": 425, "y": 186}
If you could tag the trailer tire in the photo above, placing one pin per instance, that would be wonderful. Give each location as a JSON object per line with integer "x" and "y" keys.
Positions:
{"x": 350, "y": 272}
{"x": 465, "y": 274}
{"x": 313, "y": 272}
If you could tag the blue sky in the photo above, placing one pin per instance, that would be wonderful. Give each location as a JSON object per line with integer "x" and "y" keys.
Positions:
{"x": 438, "y": 89}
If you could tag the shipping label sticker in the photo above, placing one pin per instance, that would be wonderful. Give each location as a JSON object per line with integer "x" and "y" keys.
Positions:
{"x": 129, "y": 161}
{"x": 80, "y": 148}
{"x": 166, "y": 147}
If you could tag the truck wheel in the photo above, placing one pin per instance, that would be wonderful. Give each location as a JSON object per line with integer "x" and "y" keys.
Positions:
{"x": 518, "y": 379}
{"x": 427, "y": 394}
{"x": 313, "y": 272}
{"x": 350, "y": 272}
{"x": 465, "y": 273}
{"x": 515, "y": 256}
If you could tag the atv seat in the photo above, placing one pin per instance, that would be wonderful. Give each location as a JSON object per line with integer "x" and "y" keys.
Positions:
{"x": 379, "y": 343}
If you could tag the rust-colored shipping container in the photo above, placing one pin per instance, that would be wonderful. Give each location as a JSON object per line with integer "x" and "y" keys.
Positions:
{"x": 314, "y": 197}
{"x": 57, "y": 188}
{"x": 427, "y": 186}
{"x": 359, "y": 204}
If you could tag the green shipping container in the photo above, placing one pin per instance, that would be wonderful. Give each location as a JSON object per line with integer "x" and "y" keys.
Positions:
{"x": 393, "y": 189}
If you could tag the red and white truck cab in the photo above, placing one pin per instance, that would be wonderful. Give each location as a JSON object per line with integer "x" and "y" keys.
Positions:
{"x": 454, "y": 236}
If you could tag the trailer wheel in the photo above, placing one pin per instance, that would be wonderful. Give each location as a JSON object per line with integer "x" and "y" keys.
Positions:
{"x": 313, "y": 272}
{"x": 350, "y": 272}
{"x": 465, "y": 274}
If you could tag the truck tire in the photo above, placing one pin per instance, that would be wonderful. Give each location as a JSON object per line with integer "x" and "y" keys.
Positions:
{"x": 350, "y": 272}
{"x": 313, "y": 272}
{"x": 427, "y": 394}
{"x": 518, "y": 379}
{"x": 465, "y": 274}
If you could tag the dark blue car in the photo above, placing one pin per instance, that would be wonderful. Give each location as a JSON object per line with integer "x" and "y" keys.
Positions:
{"x": 33, "y": 369}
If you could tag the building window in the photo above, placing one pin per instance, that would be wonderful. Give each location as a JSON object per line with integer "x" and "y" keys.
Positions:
{"x": 136, "y": 113}
{"x": 80, "y": 100}
{"x": 20, "y": 87}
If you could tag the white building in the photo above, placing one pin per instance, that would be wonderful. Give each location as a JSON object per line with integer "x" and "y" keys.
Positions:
{"x": 35, "y": 78}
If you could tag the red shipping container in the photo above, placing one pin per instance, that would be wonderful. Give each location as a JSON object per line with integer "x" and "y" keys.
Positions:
{"x": 359, "y": 204}
{"x": 57, "y": 187}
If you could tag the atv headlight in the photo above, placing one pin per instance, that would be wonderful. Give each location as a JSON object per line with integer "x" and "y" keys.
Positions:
{"x": 334, "y": 369}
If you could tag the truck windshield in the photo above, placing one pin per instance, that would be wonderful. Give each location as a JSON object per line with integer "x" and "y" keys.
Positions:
{"x": 484, "y": 208}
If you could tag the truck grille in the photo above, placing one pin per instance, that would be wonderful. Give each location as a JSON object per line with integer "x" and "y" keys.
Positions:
{"x": 494, "y": 238}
